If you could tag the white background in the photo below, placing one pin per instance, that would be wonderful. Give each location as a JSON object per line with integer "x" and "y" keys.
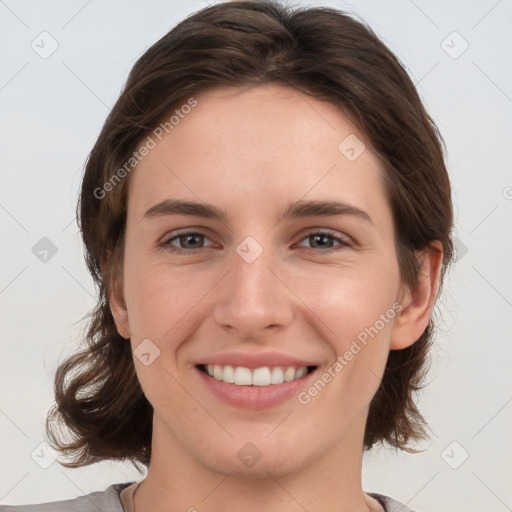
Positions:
{"x": 51, "y": 113}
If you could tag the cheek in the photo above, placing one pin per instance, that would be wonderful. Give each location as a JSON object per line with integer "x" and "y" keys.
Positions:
{"x": 350, "y": 299}
{"x": 358, "y": 339}
{"x": 159, "y": 297}
{"x": 356, "y": 307}
{"x": 345, "y": 298}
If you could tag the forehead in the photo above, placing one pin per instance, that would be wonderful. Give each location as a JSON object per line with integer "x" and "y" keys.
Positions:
{"x": 254, "y": 146}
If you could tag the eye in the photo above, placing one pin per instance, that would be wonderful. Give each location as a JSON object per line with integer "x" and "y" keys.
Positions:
{"x": 324, "y": 240}
{"x": 189, "y": 242}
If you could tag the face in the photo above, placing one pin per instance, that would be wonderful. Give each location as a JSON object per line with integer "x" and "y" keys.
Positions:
{"x": 276, "y": 282}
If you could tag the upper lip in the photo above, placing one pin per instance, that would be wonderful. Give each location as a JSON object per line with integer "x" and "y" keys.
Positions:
{"x": 255, "y": 359}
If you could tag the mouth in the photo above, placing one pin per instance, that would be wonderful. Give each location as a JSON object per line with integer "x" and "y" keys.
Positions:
{"x": 260, "y": 377}
{"x": 254, "y": 388}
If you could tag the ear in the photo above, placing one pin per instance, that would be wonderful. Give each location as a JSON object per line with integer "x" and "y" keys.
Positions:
{"x": 117, "y": 303}
{"x": 417, "y": 303}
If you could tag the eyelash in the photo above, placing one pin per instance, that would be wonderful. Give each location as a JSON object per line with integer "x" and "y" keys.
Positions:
{"x": 331, "y": 234}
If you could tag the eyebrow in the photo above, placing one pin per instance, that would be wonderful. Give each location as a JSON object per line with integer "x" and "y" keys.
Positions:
{"x": 296, "y": 209}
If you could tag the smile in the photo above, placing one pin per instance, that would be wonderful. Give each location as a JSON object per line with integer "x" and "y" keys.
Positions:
{"x": 254, "y": 388}
{"x": 264, "y": 376}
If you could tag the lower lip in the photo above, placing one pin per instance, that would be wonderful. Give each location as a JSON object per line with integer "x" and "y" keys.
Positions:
{"x": 255, "y": 397}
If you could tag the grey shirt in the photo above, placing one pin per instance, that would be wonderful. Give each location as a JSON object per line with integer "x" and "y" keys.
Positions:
{"x": 109, "y": 501}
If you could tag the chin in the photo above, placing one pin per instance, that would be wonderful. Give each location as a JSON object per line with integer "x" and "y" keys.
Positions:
{"x": 256, "y": 456}
{"x": 276, "y": 463}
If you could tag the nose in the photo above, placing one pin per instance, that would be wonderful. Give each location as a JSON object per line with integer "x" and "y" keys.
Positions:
{"x": 255, "y": 299}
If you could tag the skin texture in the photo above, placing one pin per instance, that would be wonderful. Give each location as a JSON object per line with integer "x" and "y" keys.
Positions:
{"x": 251, "y": 151}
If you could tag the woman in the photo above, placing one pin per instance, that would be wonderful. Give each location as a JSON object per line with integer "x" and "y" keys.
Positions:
{"x": 267, "y": 214}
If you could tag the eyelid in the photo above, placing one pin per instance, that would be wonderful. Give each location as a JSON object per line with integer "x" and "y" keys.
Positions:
{"x": 167, "y": 238}
{"x": 342, "y": 239}
{"x": 339, "y": 237}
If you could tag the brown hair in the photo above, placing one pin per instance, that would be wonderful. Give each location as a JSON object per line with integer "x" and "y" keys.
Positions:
{"x": 322, "y": 52}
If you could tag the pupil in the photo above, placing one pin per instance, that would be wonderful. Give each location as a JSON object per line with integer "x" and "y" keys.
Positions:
{"x": 187, "y": 238}
{"x": 316, "y": 237}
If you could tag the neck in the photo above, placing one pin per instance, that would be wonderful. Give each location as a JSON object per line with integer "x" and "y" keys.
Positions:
{"x": 177, "y": 481}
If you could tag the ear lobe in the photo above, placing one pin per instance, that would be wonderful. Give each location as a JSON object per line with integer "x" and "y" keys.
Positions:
{"x": 117, "y": 303}
{"x": 417, "y": 303}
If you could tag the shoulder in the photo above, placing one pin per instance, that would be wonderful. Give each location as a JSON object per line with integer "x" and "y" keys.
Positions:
{"x": 389, "y": 504}
{"x": 106, "y": 501}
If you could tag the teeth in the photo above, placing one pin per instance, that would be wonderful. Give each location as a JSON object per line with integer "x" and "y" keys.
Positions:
{"x": 289, "y": 374}
{"x": 228, "y": 375}
{"x": 261, "y": 377}
{"x": 264, "y": 376}
{"x": 301, "y": 372}
{"x": 217, "y": 372}
{"x": 277, "y": 376}
{"x": 243, "y": 376}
